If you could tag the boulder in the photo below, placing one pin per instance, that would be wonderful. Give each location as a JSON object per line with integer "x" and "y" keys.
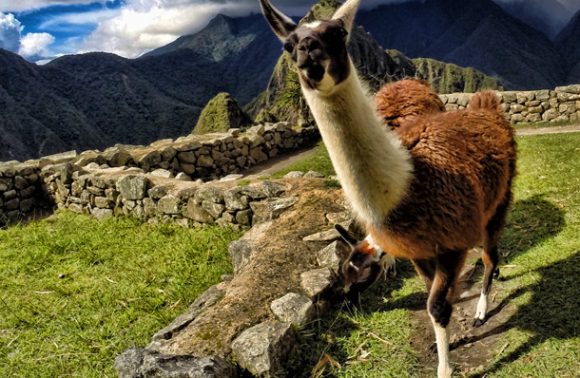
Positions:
{"x": 262, "y": 349}
{"x": 293, "y": 308}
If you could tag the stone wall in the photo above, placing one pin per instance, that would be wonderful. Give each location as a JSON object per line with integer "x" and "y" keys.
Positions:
{"x": 559, "y": 105}
{"x": 209, "y": 156}
{"x": 104, "y": 192}
{"x": 87, "y": 182}
{"x": 20, "y": 191}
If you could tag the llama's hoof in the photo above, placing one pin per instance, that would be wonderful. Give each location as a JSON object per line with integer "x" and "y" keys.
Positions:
{"x": 478, "y": 322}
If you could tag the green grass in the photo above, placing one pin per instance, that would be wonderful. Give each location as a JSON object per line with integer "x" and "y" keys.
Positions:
{"x": 76, "y": 292}
{"x": 540, "y": 246}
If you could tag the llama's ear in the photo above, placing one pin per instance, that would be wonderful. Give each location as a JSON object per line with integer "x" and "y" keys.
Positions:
{"x": 346, "y": 236}
{"x": 346, "y": 13}
{"x": 281, "y": 24}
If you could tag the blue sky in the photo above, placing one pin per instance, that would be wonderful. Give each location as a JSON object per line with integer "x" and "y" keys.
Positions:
{"x": 41, "y": 29}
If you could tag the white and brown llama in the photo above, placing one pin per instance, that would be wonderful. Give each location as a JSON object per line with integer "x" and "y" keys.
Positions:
{"x": 428, "y": 192}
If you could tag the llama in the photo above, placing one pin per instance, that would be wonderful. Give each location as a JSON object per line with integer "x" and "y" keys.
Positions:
{"x": 427, "y": 193}
{"x": 404, "y": 99}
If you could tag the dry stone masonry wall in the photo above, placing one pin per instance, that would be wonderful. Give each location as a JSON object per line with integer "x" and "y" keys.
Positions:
{"x": 105, "y": 192}
{"x": 97, "y": 182}
{"x": 559, "y": 105}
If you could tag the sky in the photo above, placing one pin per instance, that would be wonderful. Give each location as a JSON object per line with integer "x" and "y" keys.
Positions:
{"x": 43, "y": 29}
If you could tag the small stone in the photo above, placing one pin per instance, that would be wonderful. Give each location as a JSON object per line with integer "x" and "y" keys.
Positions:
{"x": 294, "y": 175}
{"x": 244, "y": 217}
{"x": 232, "y": 177}
{"x": 162, "y": 173}
{"x": 316, "y": 282}
{"x": 182, "y": 176}
{"x": 328, "y": 236}
{"x": 61, "y": 276}
{"x": 197, "y": 213}
{"x": 102, "y": 213}
{"x": 159, "y": 191}
{"x": 262, "y": 349}
{"x": 293, "y": 308}
{"x": 240, "y": 253}
{"x": 205, "y": 161}
{"x": 273, "y": 189}
{"x": 313, "y": 174}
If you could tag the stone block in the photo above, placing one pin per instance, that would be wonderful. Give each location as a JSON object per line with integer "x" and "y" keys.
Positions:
{"x": 168, "y": 205}
{"x": 263, "y": 349}
{"x": 186, "y": 157}
{"x": 293, "y": 308}
{"x": 101, "y": 213}
{"x": 316, "y": 282}
{"x": 141, "y": 363}
{"x": 6, "y": 184}
{"x": 333, "y": 255}
{"x": 161, "y": 173}
{"x": 103, "y": 203}
{"x": 133, "y": 187}
{"x": 244, "y": 217}
{"x": 197, "y": 213}
{"x": 27, "y": 204}
{"x": 205, "y": 161}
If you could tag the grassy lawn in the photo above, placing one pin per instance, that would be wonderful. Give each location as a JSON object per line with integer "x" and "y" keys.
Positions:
{"x": 75, "y": 292}
{"x": 540, "y": 268}
{"x": 542, "y": 124}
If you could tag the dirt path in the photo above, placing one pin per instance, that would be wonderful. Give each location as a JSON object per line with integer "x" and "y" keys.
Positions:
{"x": 549, "y": 130}
{"x": 277, "y": 164}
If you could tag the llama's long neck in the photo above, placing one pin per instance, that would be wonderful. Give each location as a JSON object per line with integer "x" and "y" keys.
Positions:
{"x": 372, "y": 166}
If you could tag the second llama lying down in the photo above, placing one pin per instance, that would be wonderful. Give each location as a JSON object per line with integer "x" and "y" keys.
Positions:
{"x": 430, "y": 191}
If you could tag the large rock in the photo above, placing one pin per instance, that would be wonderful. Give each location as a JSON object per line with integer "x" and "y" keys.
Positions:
{"x": 333, "y": 255}
{"x": 132, "y": 187}
{"x": 262, "y": 349}
{"x": 316, "y": 282}
{"x": 140, "y": 363}
{"x": 293, "y": 308}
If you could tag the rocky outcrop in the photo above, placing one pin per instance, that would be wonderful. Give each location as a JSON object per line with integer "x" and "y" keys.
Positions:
{"x": 221, "y": 114}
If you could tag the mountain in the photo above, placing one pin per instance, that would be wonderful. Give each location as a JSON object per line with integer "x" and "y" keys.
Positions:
{"x": 548, "y": 17}
{"x": 244, "y": 48}
{"x": 469, "y": 33}
{"x": 567, "y": 42}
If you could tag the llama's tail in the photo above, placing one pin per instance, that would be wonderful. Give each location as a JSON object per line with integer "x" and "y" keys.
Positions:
{"x": 487, "y": 100}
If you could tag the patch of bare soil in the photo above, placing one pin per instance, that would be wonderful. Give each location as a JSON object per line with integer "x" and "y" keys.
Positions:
{"x": 279, "y": 257}
{"x": 471, "y": 348}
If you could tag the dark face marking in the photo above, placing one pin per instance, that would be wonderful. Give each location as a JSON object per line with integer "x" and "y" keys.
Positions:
{"x": 318, "y": 51}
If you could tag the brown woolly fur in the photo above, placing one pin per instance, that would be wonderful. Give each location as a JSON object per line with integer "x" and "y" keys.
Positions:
{"x": 404, "y": 99}
{"x": 464, "y": 163}
{"x": 484, "y": 100}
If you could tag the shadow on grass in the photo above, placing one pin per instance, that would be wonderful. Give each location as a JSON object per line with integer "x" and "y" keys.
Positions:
{"x": 552, "y": 312}
{"x": 531, "y": 222}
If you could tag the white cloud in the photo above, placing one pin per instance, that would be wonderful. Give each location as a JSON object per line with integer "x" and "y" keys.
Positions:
{"x": 142, "y": 25}
{"x": 35, "y": 44}
{"x": 10, "y": 29}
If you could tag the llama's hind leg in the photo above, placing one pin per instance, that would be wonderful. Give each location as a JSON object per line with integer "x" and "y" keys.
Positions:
{"x": 448, "y": 267}
{"x": 490, "y": 258}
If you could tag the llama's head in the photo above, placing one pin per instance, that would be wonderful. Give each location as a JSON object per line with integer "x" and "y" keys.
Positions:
{"x": 363, "y": 266}
{"x": 318, "y": 49}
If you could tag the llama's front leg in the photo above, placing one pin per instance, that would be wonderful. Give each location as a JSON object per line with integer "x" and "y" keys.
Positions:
{"x": 439, "y": 305}
{"x": 490, "y": 258}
